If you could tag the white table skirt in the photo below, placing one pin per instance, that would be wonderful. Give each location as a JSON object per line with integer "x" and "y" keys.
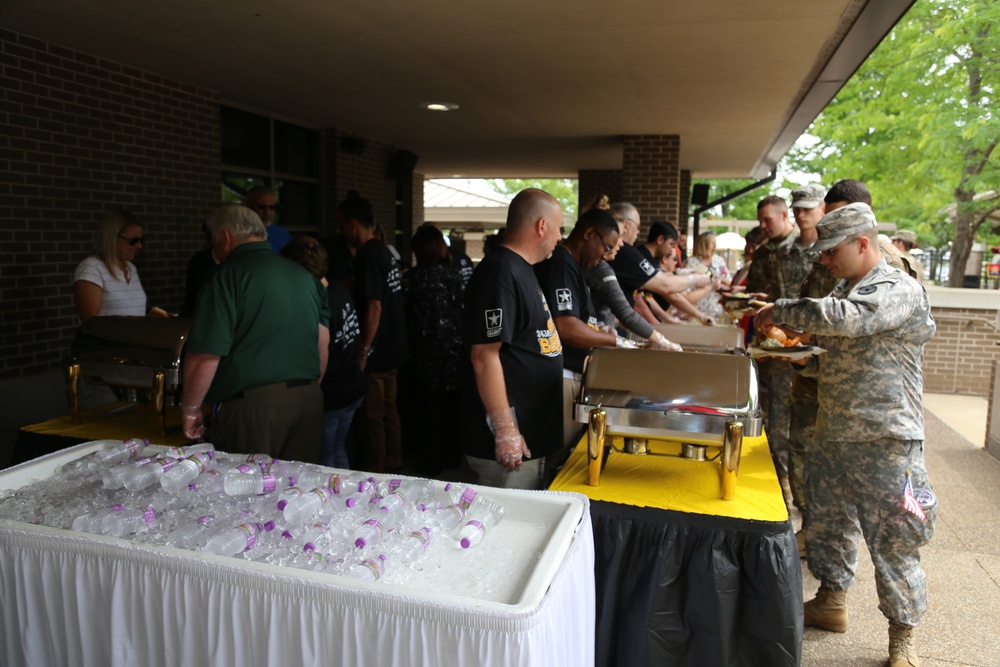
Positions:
{"x": 80, "y": 601}
{"x": 68, "y": 598}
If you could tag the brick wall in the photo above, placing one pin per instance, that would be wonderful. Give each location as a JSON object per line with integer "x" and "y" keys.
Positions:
{"x": 368, "y": 173}
{"x": 959, "y": 358}
{"x": 651, "y": 176}
{"x": 594, "y": 182}
{"x": 79, "y": 135}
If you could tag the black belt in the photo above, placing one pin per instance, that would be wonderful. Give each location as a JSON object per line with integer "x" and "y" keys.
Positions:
{"x": 287, "y": 384}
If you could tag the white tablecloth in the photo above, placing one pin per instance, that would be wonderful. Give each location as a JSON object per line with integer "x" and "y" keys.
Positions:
{"x": 70, "y": 599}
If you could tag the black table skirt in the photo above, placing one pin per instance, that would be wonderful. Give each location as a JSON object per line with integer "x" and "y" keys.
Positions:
{"x": 678, "y": 589}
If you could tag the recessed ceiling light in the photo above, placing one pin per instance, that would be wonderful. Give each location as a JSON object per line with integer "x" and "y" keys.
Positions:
{"x": 438, "y": 106}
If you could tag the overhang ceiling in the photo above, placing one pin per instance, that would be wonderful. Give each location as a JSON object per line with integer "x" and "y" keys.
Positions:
{"x": 545, "y": 87}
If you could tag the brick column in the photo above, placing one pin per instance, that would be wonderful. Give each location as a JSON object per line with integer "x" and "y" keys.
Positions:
{"x": 651, "y": 176}
{"x": 684, "y": 199}
{"x": 594, "y": 182}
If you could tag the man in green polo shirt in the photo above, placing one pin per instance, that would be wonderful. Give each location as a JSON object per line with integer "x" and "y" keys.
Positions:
{"x": 257, "y": 346}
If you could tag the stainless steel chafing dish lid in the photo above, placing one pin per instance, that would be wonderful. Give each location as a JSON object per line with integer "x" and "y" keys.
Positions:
{"x": 670, "y": 395}
{"x": 121, "y": 350}
{"x": 720, "y": 338}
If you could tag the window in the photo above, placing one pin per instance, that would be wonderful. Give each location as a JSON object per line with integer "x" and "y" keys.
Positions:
{"x": 258, "y": 150}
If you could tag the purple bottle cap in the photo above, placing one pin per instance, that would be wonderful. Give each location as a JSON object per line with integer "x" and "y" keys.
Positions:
{"x": 281, "y": 504}
{"x": 360, "y": 543}
{"x": 351, "y": 502}
{"x": 309, "y": 547}
{"x": 287, "y": 535}
{"x": 269, "y": 526}
{"x": 291, "y": 480}
{"x": 465, "y": 543}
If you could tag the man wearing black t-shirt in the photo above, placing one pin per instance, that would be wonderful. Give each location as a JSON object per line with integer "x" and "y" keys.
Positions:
{"x": 561, "y": 277}
{"x": 662, "y": 241}
{"x": 515, "y": 353}
{"x": 636, "y": 271}
{"x": 378, "y": 296}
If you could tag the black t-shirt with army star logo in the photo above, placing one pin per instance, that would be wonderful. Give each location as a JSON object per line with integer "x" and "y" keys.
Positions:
{"x": 504, "y": 304}
{"x": 633, "y": 270}
{"x": 565, "y": 288}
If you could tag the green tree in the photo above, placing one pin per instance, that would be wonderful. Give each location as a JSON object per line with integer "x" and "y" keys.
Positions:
{"x": 918, "y": 124}
{"x": 565, "y": 190}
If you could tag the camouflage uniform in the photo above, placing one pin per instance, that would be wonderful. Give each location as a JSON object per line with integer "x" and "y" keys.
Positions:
{"x": 869, "y": 433}
{"x": 778, "y": 269}
{"x": 803, "y": 405}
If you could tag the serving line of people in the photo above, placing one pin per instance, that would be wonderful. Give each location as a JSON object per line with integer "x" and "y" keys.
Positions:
{"x": 264, "y": 332}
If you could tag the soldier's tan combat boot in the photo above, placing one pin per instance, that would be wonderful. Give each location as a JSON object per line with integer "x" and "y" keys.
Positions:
{"x": 828, "y": 610}
{"x": 902, "y": 647}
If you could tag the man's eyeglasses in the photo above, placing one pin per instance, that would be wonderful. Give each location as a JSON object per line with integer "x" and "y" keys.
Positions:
{"x": 830, "y": 252}
{"x": 135, "y": 240}
{"x": 608, "y": 248}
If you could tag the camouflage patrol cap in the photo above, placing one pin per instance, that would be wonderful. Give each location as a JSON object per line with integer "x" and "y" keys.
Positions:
{"x": 905, "y": 235}
{"x": 845, "y": 221}
{"x": 808, "y": 196}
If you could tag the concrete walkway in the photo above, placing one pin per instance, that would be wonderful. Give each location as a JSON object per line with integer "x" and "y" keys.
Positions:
{"x": 962, "y": 562}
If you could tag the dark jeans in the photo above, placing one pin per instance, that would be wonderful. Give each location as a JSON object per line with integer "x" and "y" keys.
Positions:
{"x": 336, "y": 426}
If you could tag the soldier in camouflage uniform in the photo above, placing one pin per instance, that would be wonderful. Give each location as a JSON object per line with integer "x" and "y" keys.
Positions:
{"x": 869, "y": 430}
{"x": 778, "y": 269}
{"x": 818, "y": 284}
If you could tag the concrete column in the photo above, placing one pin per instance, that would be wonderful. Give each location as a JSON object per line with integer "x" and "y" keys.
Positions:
{"x": 651, "y": 176}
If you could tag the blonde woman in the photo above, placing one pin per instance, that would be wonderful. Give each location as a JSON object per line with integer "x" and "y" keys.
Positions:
{"x": 106, "y": 283}
{"x": 703, "y": 259}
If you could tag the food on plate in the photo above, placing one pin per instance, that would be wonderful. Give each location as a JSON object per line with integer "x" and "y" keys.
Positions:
{"x": 775, "y": 338}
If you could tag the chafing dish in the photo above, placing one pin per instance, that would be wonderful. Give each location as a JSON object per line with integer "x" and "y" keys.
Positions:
{"x": 133, "y": 353}
{"x": 721, "y": 338}
{"x": 704, "y": 400}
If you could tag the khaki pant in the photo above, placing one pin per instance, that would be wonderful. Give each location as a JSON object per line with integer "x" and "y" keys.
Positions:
{"x": 379, "y": 424}
{"x": 285, "y": 423}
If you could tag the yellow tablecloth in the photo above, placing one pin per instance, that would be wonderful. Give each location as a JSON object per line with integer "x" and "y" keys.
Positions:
{"x": 676, "y": 484}
{"x": 119, "y": 421}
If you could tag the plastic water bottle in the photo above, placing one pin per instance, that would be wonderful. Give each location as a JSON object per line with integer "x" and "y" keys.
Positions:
{"x": 449, "y": 517}
{"x": 394, "y": 502}
{"x": 177, "y": 478}
{"x": 190, "y": 534}
{"x": 471, "y": 500}
{"x": 370, "y": 569}
{"x": 114, "y": 477}
{"x": 128, "y": 522}
{"x": 413, "y": 546}
{"x": 209, "y": 482}
{"x": 474, "y": 530}
{"x": 411, "y": 488}
{"x": 370, "y": 532}
{"x": 288, "y": 495}
{"x": 90, "y": 522}
{"x": 300, "y": 510}
{"x": 147, "y": 475}
{"x": 234, "y": 541}
{"x": 189, "y": 450}
{"x": 129, "y": 449}
{"x": 318, "y": 534}
{"x": 251, "y": 483}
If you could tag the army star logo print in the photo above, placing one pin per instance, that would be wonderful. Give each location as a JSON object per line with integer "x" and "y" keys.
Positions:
{"x": 564, "y": 299}
{"x": 494, "y": 322}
